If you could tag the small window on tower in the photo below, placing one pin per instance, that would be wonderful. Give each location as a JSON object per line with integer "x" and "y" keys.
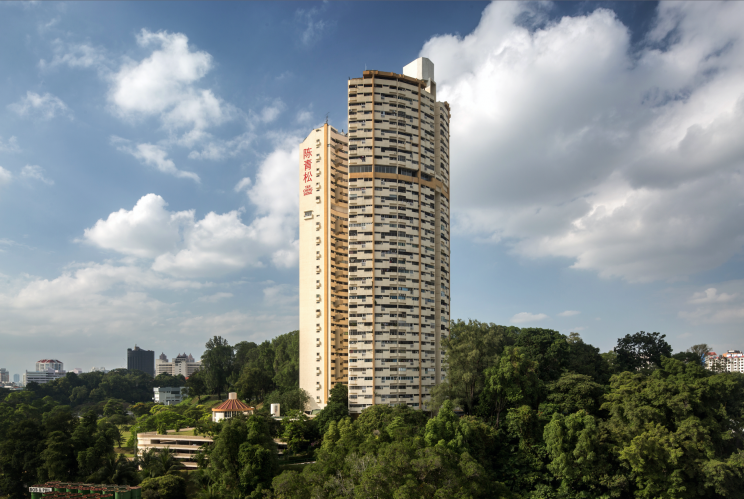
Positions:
{"x": 309, "y": 214}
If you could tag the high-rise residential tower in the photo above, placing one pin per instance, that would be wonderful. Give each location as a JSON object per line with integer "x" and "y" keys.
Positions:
{"x": 397, "y": 246}
{"x": 143, "y": 360}
{"x": 323, "y": 263}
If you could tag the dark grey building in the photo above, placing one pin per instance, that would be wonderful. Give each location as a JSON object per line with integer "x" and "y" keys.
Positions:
{"x": 144, "y": 360}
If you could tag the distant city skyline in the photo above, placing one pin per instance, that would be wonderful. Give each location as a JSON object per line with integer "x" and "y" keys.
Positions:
{"x": 596, "y": 166}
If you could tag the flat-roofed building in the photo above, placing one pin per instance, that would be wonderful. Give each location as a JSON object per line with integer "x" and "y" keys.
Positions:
{"x": 169, "y": 395}
{"x": 182, "y": 364}
{"x": 140, "y": 359}
{"x": 183, "y": 446}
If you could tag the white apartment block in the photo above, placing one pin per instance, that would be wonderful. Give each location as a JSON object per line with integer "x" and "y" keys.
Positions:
{"x": 732, "y": 361}
{"x": 182, "y": 364}
{"x": 169, "y": 395}
{"x": 398, "y": 257}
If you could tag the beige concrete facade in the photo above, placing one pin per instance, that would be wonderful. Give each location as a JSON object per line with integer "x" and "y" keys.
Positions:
{"x": 398, "y": 237}
{"x": 323, "y": 263}
{"x": 396, "y": 288}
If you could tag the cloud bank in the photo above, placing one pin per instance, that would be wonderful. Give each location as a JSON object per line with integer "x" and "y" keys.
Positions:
{"x": 570, "y": 142}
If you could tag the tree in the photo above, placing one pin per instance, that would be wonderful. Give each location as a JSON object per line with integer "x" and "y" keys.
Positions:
{"x": 673, "y": 430}
{"x": 472, "y": 348}
{"x": 700, "y": 351}
{"x": 586, "y": 359}
{"x": 217, "y": 363}
{"x": 296, "y": 399}
{"x": 641, "y": 350}
{"x": 336, "y": 409}
{"x": 164, "y": 487}
{"x": 298, "y": 431}
{"x": 197, "y": 384}
{"x": 548, "y": 348}
{"x": 512, "y": 382}
{"x": 243, "y": 457}
{"x": 571, "y": 393}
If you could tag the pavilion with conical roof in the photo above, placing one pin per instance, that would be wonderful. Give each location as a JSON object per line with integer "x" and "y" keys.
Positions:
{"x": 230, "y": 407}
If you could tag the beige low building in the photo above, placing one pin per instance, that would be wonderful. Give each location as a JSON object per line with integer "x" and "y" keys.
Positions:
{"x": 384, "y": 306}
{"x": 183, "y": 364}
{"x": 183, "y": 446}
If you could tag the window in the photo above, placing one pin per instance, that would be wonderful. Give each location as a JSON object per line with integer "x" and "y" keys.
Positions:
{"x": 309, "y": 214}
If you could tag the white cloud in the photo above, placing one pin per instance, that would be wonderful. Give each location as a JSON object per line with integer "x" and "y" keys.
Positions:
{"x": 569, "y": 313}
{"x": 710, "y": 295}
{"x": 215, "y": 297}
{"x": 523, "y": 317}
{"x": 37, "y": 173}
{"x": 272, "y": 111}
{"x": 146, "y": 231}
{"x": 75, "y": 55}
{"x": 723, "y": 304}
{"x": 5, "y": 176}
{"x": 218, "y": 244}
{"x": 153, "y": 155}
{"x": 304, "y": 117}
{"x": 216, "y": 150}
{"x": 10, "y": 146}
{"x": 44, "y": 107}
{"x": 314, "y": 28}
{"x": 244, "y": 183}
{"x": 164, "y": 85}
{"x": 569, "y": 142}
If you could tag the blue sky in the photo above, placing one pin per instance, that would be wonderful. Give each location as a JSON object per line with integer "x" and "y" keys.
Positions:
{"x": 148, "y": 150}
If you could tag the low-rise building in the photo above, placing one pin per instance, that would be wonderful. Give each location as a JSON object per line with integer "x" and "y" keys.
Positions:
{"x": 229, "y": 408}
{"x": 184, "y": 446}
{"x": 42, "y": 377}
{"x": 169, "y": 395}
{"x": 182, "y": 364}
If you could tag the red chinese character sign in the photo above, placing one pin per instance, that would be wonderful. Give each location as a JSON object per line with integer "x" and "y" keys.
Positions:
{"x": 307, "y": 176}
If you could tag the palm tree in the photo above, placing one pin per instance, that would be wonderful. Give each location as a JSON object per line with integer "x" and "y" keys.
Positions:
{"x": 166, "y": 461}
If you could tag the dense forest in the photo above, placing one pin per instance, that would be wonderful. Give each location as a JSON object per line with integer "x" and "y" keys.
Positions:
{"x": 523, "y": 413}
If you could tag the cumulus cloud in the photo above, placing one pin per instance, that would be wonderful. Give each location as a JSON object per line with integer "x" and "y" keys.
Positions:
{"x": 145, "y": 231}
{"x": 523, "y": 317}
{"x": 569, "y": 142}
{"x": 36, "y": 172}
{"x": 153, "y": 155}
{"x": 164, "y": 84}
{"x": 44, "y": 107}
{"x": 10, "y": 146}
{"x": 218, "y": 244}
{"x": 569, "y": 313}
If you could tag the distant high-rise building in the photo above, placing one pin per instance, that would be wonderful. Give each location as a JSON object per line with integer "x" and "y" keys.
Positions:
{"x": 4, "y": 375}
{"x": 182, "y": 364}
{"x": 143, "y": 360}
{"x": 46, "y": 364}
{"x": 46, "y": 371}
{"x": 375, "y": 244}
{"x": 16, "y": 378}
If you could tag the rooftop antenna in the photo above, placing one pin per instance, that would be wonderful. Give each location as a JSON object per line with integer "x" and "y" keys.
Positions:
{"x": 327, "y": 118}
